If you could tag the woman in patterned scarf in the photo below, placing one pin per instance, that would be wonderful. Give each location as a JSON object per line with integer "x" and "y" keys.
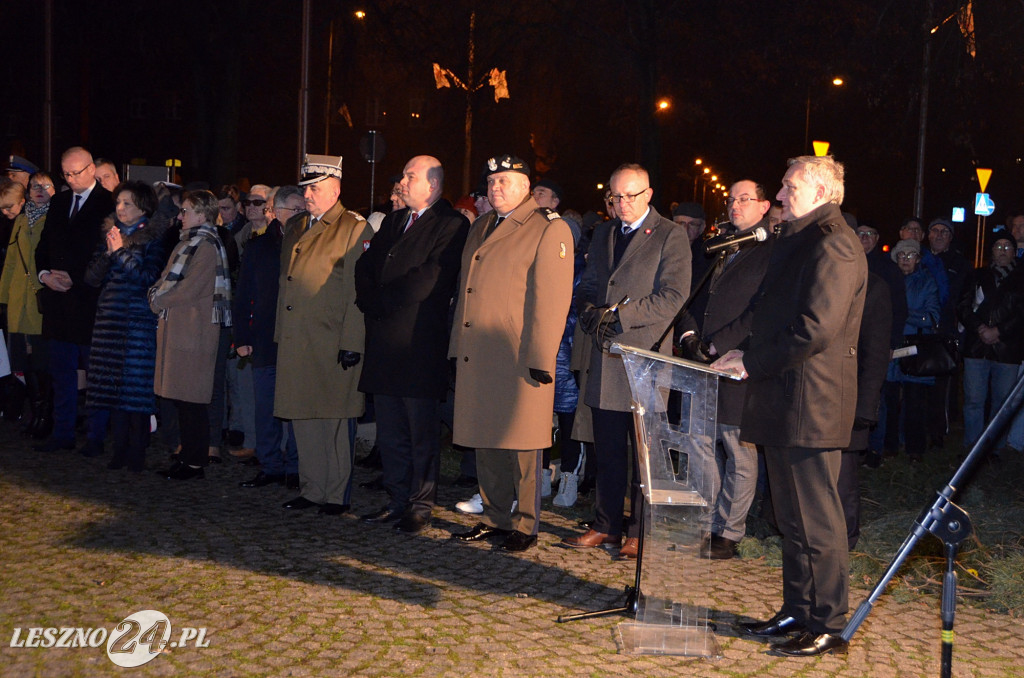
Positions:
{"x": 193, "y": 301}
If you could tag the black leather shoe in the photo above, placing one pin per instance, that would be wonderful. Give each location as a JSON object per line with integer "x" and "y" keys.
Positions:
{"x": 718, "y": 547}
{"x": 480, "y": 531}
{"x": 333, "y": 509}
{"x": 291, "y": 481}
{"x": 299, "y": 503}
{"x": 779, "y": 625}
{"x": 412, "y": 523}
{"x": 808, "y": 644}
{"x": 53, "y": 445}
{"x": 384, "y": 515}
{"x": 263, "y": 479}
{"x": 186, "y": 472}
{"x": 517, "y": 541}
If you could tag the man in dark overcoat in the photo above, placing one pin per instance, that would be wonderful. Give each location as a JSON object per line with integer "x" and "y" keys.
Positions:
{"x": 404, "y": 287}
{"x": 801, "y": 362}
{"x": 73, "y": 234}
{"x": 636, "y": 279}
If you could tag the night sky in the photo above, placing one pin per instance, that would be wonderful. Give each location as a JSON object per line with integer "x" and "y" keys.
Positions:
{"x": 215, "y": 84}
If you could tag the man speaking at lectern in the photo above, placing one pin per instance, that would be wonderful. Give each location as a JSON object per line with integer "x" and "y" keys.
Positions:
{"x": 801, "y": 363}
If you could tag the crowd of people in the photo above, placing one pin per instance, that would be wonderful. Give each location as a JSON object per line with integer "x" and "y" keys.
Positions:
{"x": 283, "y": 316}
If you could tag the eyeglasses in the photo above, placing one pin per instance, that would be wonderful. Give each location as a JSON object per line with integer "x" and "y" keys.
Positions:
{"x": 1004, "y": 248}
{"x": 907, "y": 255}
{"x": 628, "y": 198}
{"x": 729, "y": 202}
{"x": 256, "y": 202}
{"x": 68, "y": 175}
{"x": 867, "y": 234}
{"x": 40, "y": 187}
{"x": 183, "y": 210}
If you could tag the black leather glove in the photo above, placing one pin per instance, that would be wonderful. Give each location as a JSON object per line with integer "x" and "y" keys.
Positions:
{"x": 610, "y": 327}
{"x": 692, "y": 348}
{"x": 540, "y": 376}
{"x": 590, "y": 318}
{"x": 348, "y": 359}
{"x": 862, "y": 423}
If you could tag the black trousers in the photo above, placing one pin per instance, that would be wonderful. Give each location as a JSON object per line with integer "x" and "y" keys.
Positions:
{"x": 194, "y": 426}
{"x": 815, "y": 556}
{"x": 408, "y": 434}
{"x": 130, "y": 434}
{"x": 612, "y": 431}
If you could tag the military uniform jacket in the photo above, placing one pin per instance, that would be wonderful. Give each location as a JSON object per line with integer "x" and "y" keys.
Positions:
{"x": 514, "y": 293}
{"x": 404, "y": 287}
{"x": 655, "y": 273}
{"x": 317, "y": 316}
{"x": 802, "y": 351}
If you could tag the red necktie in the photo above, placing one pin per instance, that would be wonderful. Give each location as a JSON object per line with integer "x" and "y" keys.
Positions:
{"x": 415, "y": 216}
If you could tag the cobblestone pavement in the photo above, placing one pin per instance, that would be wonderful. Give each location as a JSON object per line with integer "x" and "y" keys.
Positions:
{"x": 285, "y": 593}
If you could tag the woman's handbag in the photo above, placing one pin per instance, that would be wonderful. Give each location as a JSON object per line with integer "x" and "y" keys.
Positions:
{"x": 936, "y": 355}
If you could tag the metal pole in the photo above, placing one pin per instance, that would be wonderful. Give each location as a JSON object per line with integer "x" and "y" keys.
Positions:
{"x": 327, "y": 101}
{"x": 304, "y": 83}
{"x": 48, "y": 158}
{"x": 467, "y": 159}
{"x": 922, "y": 128}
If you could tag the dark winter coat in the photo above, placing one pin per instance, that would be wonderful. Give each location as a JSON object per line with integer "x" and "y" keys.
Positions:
{"x": 123, "y": 354}
{"x": 68, "y": 245}
{"x": 872, "y": 358}
{"x": 255, "y": 298}
{"x": 1002, "y": 307}
{"x": 802, "y": 352}
{"x": 404, "y": 286}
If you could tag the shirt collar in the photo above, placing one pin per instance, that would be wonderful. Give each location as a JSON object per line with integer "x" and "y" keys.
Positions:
{"x": 629, "y": 228}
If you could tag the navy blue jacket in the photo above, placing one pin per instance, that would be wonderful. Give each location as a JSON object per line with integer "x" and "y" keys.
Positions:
{"x": 255, "y": 300}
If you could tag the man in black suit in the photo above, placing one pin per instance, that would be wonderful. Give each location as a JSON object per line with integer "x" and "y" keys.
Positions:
{"x": 716, "y": 324}
{"x": 71, "y": 237}
{"x": 801, "y": 361}
{"x": 404, "y": 286}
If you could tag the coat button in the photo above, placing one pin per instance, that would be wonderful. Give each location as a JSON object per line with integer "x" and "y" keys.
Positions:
{"x": 477, "y": 258}
{"x": 469, "y": 290}
{"x": 853, "y": 350}
{"x": 466, "y": 359}
{"x": 466, "y": 324}
{"x": 611, "y": 283}
{"x": 289, "y": 307}
{"x": 289, "y": 278}
{"x": 298, "y": 249}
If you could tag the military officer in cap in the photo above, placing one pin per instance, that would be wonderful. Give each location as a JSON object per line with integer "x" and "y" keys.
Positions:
{"x": 19, "y": 169}
{"x": 513, "y": 296}
{"x": 319, "y": 335}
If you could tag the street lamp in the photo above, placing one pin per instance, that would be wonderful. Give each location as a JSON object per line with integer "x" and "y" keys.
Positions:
{"x": 836, "y": 82}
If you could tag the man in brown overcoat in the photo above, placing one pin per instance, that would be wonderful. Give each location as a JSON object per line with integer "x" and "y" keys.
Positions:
{"x": 513, "y": 296}
{"x": 320, "y": 336}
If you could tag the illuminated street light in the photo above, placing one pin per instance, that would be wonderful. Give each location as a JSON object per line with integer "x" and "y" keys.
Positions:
{"x": 698, "y": 161}
{"x": 664, "y": 104}
{"x": 360, "y": 14}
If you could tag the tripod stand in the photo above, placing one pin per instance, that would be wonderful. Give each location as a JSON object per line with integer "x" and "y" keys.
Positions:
{"x": 949, "y": 523}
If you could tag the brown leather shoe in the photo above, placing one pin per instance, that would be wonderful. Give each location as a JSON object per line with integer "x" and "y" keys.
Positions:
{"x": 630, "y": 547}
{"x": 592, "y": 538}
{"x": 242, "y": 452}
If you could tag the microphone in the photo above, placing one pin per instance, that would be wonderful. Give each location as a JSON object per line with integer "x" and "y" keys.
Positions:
{"x": 760, "y": 234}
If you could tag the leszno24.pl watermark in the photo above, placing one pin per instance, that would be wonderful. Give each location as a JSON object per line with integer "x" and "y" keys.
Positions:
{"x": 137, "y": 639}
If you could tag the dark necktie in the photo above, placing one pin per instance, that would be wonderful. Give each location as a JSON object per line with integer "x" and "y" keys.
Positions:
{"x": 493, "y": 227}
{"x": 74, "y": 210}
{"x": 412, "y": 220}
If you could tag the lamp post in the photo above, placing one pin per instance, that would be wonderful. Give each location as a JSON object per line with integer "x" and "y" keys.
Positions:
{"x": 836, "y": 82}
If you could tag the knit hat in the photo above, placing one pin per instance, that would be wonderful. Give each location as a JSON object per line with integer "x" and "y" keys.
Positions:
{"x": 906, "y": 245}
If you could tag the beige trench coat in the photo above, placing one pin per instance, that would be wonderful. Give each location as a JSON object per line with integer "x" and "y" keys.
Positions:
{"x": 317, "y": 316}
{"x": 186, "y": 337}
{"x": 18, "y": 285}
{"x": 513, "y": 297}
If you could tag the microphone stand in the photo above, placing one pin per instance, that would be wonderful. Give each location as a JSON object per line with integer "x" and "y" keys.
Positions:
{"x": 689, "y": 302}
{"x": 951, "y": 525}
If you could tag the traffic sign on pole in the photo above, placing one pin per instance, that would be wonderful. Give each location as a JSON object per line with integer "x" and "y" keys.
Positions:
{"x": 983, "y": 176}
{"x": 983, "y": 205}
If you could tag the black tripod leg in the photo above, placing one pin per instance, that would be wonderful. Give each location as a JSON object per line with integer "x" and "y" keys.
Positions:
{"x": 632, "y": 601}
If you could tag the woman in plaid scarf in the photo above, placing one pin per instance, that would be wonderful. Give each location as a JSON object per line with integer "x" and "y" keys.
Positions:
{"x": 193, "y": 300}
